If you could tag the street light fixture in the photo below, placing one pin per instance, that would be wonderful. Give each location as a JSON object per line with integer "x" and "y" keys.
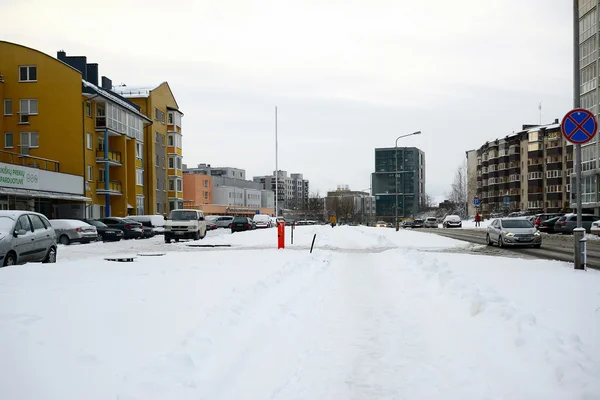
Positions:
{"x": 396, "y": 177}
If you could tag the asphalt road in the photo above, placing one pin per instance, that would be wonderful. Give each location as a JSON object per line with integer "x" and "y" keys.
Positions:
{"x": 554, "y": 247}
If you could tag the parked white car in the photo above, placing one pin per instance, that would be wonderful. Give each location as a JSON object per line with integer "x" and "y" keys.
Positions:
{"x": 595, "y": 229}
{"x": 26, "y": 236}
{"x": 262, "y": 221}
{"x": 73, "y": 231}
{"x": 452, "y": 221}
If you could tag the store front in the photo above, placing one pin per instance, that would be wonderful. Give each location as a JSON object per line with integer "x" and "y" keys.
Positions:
{"x": 54, "y": 194}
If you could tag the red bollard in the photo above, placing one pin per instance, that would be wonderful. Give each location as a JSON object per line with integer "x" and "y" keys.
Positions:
{"x": 281, "y": 235}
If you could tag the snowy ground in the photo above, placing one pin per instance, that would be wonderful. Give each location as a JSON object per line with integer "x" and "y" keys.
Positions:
{"x": 368, "y": 315}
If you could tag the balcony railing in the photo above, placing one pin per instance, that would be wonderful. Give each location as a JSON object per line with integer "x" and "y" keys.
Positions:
{"x": 25, "y": 160}
{"x": 113, "y": 186}
{"x": 113, "y": 155}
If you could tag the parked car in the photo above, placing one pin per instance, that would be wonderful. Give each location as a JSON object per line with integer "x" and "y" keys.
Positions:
{"x": 381, "y": 224}
{"x": 130, "y": 229}
{"x": 185, "y": 224}
{"x": 211, "y": 222}
{"x": 26, "y": 236}
{"x": 418, "y": 223}
{"x": 224, "y": 221}
{"x": 241, "y": 224}
{"x": 547, "y": 226}
{"x": 147, "y": 230}
{"x": 568, "y": 222}
{"x": 513, "y": 232}
{"x": 156, "y": 222}
{"x": 262, "y": 221}
{"x": 595, "y": 228}
{"x": 73, "y": 231}
{"x": 211, "y": 226}
{"x": 452, "y": 221}
{"x": 407, "y": 223}
{"x": 431, "y": 222}
{"x": 105, "y": 233}
{"x": 539, "y": 218}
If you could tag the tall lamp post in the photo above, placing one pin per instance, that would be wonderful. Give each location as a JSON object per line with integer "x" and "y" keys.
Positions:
{"x": 396, "y": 176}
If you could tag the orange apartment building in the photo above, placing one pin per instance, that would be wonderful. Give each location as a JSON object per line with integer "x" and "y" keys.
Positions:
{"x": 197, "y": 190}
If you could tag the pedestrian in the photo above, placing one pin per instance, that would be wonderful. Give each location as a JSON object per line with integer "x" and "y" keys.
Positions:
{"x": 332, "y": 220}
{"x": 477, "y": 220}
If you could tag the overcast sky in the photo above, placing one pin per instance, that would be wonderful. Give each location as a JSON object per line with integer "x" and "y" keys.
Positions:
{"x": 347, "y": 75}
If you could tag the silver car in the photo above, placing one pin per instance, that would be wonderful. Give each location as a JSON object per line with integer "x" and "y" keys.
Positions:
{"x": 431, "y": 222}
{"x": 513, "y": 232}
{"x": 74, "y": 231}
{"x": 26, "y": 236}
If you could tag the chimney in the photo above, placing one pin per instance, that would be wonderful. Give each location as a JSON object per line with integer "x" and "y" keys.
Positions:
{"x": 556, "y": 120}
{"x": 106, "y": 83}
{"x": 92, "y": 73}
{"x": 61, "y": 55}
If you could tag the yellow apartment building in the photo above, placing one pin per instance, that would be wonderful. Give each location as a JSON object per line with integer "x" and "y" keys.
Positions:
{"x": 164, "y": 175}
{"x": 71, "y": 146}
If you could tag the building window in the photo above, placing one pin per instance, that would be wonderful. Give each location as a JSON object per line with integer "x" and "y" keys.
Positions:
{"x": 88, "y": 109}
{"x": 206, "y": 183}
{"x": 8, "y": 140}
{"x": 90, "y": 173}
{"x": 140, "y": 205}
{"x": 172, "y": 185}
{"x": 171, "y": 142}
{"x": 157, "y": 184}
{"x": 28, "y": 107}
{"x": 170, "y": 118}
{"x": 205, "y": 195}
{"x": 172, "y": 205}
{"x": 89, "y": 140}
{"x": 139, "y": 177}
{"x": 178, "y": 162}
{"x": 101, "y": 173}
{"x": 29, "y": 140}
{"x": 139, "y": 150}
{"x": 27, "y": 73}
{"x": 101, "y": 143}
{"x": 179, "y": 185}
{"x": 157, "y": 161}
{"x": 8, "y": 107}
{"x": 171, "y": 162}
{"x": 159, "y": 115}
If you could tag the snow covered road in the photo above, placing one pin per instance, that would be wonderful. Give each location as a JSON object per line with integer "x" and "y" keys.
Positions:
{"x": 368, "y": 315}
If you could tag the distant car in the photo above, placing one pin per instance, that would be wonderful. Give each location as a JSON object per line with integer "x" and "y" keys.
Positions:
{"x": 105, "y": 233}
{"x": 431, "y": 222}
{"x": 568, "y": 222}
{"x": 381, "y": 224}
{"x": 26, "y": 236}
{"x": 407, "y": 223}
{"x": 539, "y": 218}
{"x": 240, "y": 224}
{"x": 418, "y": 223}
{"x": 156, "y": 222}
{"x": 147, "y": 230}
{"x": 185, "y": 224}
{"x": 73, "y": 231}
{"x": 547, "y": 226}
{"x": 131, "y": 230}
{"x": 262, "y": 221}
{"x": 452, "y": 221}
{"x": 223, "y": 221}
{"x": 513, "y": 232}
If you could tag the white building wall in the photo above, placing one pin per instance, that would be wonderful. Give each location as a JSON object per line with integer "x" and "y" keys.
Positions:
{"x": 267, "y": 199}
{"x": 252, "y": 198}
{"x": 228, "y": 196}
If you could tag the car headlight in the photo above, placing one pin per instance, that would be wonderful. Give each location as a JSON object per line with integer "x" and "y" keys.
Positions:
{"x": 509, "y": 234}
{"x": 536, "y": 233}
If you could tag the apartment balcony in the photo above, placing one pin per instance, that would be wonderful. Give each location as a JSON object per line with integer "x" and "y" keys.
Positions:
{"x": 113, "y": 187}
{"x": 554, "y": 181}
{"x": 26, "y": 160}
{"x": 554, "y": 196}
{"x": 554, "y": 151}
{"x": 111, "y": 157}
{"x": 514, "y": 157}
{"x": 569, "y": 164}
{"x": 535, "y": 167}
{"x": 514, "y": 185}
{"x": 514, "y": 170}
{"x": 504, "y": 172}
{"x": 535, "y": 196}
{"x": 535, "y": 154}
{"x": 554, "y": 166}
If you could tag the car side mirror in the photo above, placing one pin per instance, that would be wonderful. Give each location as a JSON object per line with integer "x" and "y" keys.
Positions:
{"x": 165, "y": 217}
{"x": 20, "y": 232}
{"x": 201, "y": 219}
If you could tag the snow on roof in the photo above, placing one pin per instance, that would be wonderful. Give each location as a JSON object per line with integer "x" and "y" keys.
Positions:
{"x": 553, "y": 126}
{"x": 106, "y": 94}
{"x": 134, "y": 91}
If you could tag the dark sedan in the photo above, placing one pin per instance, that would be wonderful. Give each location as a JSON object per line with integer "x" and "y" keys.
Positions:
{"x": 547, "y": 226}
{"x": 240, "y": 224}
{"x": 130, "y": 229}
{"x": 147, "y": 230}
{"x": 105, "y": 233}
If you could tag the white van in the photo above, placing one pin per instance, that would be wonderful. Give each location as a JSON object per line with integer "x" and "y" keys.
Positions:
{"x": 262, "y": 221}
{"x": 185, "y": 224}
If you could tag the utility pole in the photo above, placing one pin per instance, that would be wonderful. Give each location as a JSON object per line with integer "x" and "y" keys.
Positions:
{"x": 276, "y": 169}
{"x": 578, "y": 232}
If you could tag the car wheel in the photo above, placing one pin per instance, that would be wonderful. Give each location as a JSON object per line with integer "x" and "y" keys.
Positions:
{"x": 500, "y": 242}
{"x": 10, "y": 259}
{"x": 203, "y": 236}
{"x": 488, "y": 240}
{"x": 64, "y": 239}
{"x": 167, "y": 239}
{"x": 196, "y": 235}
{"x": 51, "y": 256}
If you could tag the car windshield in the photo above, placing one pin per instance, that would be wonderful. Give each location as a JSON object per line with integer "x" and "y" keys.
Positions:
{"x": 6, "y": 224}
{"x": 516, "y": 223}
{"x": 96, "y": 223}
{"x": 212, "y": 219}
{"x": 240, "y": 220}
{"x": 179, "y": 215}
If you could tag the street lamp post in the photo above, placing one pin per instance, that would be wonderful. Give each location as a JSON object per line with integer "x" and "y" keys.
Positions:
{"x": 396, "y": 177}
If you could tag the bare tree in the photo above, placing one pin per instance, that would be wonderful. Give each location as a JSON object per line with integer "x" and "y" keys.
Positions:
{"x": 428, "y": 202}
{"x": 459, "y": 190}
{"x": 347, "y": 208}
{"x": 316, "y": 205}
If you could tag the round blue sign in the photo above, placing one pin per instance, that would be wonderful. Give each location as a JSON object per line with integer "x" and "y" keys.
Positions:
{"x": 579, "y": 126}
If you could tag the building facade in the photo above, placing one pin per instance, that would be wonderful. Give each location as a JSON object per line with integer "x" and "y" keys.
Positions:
{"x": 292, "y": 191}
{"x": 399, "y": 174}
{"x": 589, "y": 81}
{"x": 526, "y": 171}
{"x": 350, "y": 206}
{"x": 163, "y": 179}
{"x": 197, "y": 189}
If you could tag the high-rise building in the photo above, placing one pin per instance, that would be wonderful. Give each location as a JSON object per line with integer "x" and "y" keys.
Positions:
{"x": 163, "y": 150}
{"x": 292, "y": 191}
{"x": 587, "y": 59}
{"x": 407, "y": 164}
